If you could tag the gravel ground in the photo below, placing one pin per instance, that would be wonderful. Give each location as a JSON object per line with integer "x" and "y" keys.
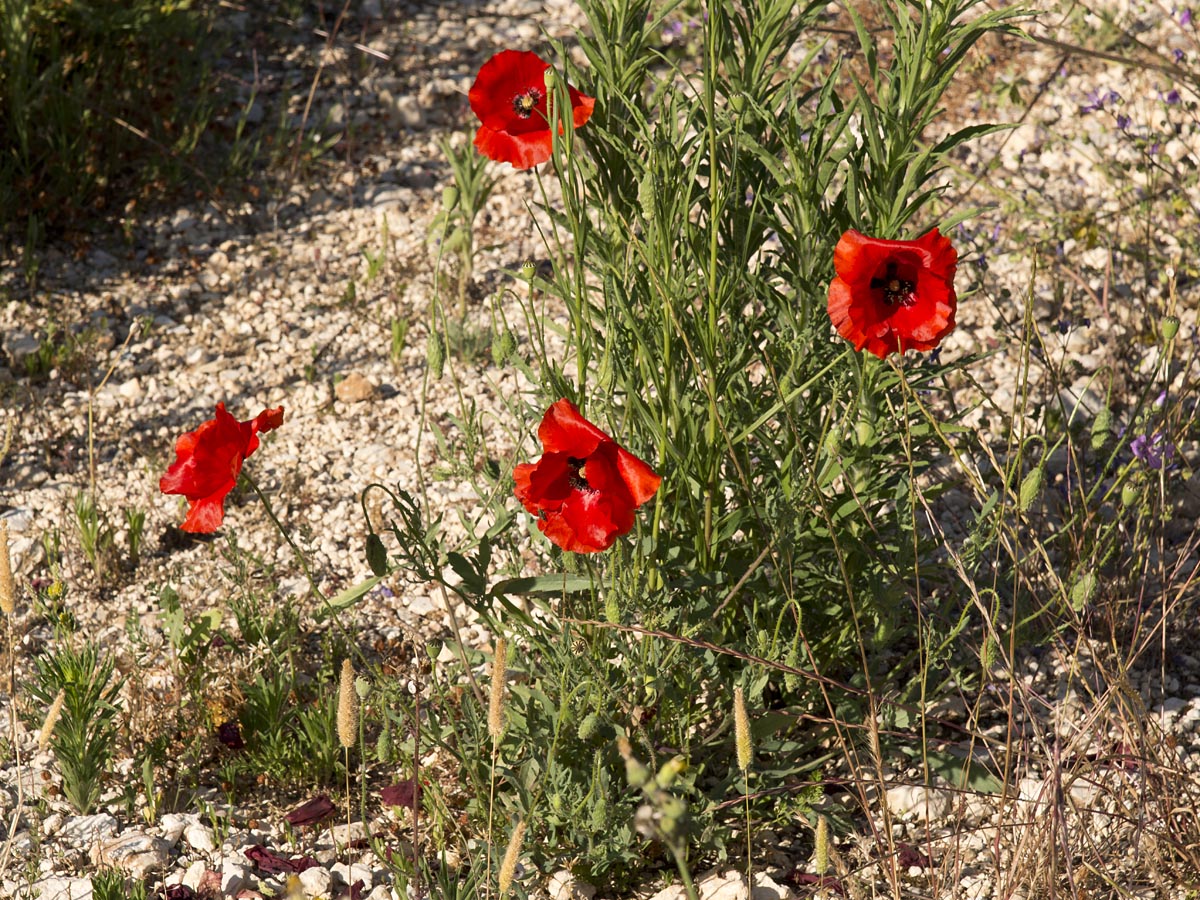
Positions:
{"x": 249, "y": 306}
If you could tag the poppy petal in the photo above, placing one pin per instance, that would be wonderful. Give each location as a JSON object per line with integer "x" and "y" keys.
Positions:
{"x": 565, "y": 430}
{"x": 206, "y": 514}
{"x": 521, "y": 151}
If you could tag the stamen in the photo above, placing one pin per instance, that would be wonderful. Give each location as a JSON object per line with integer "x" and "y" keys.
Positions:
{"x": 896, "y": 290}
{"x": 525, "y": 103}
{"x": 576, "y": 479}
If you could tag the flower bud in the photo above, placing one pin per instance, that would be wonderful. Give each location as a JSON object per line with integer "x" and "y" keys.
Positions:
{"x": 362, "y": 687}
{"x": 528, "y": 270}
{"x": 1031, "y": 486}
{"x": 636, "y": 774}
{"x": 1082, "y": 592}
{"x": 383, "y": 746}
{"x": 504, "y": 344}
{"x": 449, "y": 197}
{"x": 1170, "y": 328}
{"x": 1129, "y": 495}
{"x": 1101, "y": 426}
{"x": 671, "y": 770}
{"x": 435, "y": 355}
{"x": 645, "y": 196}
{"x": 588, "y": 726}
{"x": 550, "y": 78}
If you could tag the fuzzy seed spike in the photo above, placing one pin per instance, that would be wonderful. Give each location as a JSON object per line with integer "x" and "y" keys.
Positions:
{"x": 347, "y": 711}
{"x": 496, "y": 695}
{"x": 51, "y": 720}
{"x": 508, "y": 865}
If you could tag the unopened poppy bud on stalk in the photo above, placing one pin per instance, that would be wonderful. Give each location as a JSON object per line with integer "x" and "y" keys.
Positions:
{"x": 449, "y": 197}
{"x": 1170, "y": 328}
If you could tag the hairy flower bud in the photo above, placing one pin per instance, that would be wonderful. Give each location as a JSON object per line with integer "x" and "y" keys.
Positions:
{"x": 1101, "y": 425}
{"x": 1031, "y": 486}
{"x": 435, "y": 355}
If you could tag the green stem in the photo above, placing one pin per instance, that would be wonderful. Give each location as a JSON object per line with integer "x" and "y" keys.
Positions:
{"x": 300, "y": 557}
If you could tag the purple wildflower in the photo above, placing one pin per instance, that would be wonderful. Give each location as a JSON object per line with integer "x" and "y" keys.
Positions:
{"x": 1178, "y": 56}
{"x": 1172, "y": 97}
{"x": 1185, "y": 17}
{"x": 1098, "y": 100}
{"x": 1123, "y": 122}
{"x": 1153, "y": 450}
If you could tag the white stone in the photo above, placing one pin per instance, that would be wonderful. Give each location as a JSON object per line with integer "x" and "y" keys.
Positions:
{"x": 200, "y": 837}
{"x": 51, "y": 824}
{"x": 233, "y": 878}
{"x": 342, "y": 835}
{"x": 131, "y": 389}
{"x": 924, "y": 804}
{"x": 173, "y": 824}
{"x": 59, "y": 888}
{"x": 728, "y": 885}
{"x": 318, "y": 882}
{"x": 134, "y": 852}
{"x": 195, "y": 874}
{"x": 86, "y": 830}
{"x": 348, "y": 873}
{"x": 564, "y": 886}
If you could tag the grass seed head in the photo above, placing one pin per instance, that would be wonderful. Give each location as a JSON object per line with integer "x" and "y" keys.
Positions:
{"x": 741, "y": 729}
{"x": 347, "y": 711}
{"x": 496, "y": 696}
{"x": 51, "y": 720}
{"x": 8, "y": 591}
{"x": 508, "y": 865}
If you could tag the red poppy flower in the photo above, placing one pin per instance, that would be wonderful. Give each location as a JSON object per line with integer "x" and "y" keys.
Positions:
{"x": 585, "y": 488}
{"x": 509, "y": 97}
{"x": 207, "y": 463}
{"x": 893, "y": 295}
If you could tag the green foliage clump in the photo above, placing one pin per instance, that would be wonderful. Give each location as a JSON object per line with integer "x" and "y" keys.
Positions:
{"x": 97, "y": 101}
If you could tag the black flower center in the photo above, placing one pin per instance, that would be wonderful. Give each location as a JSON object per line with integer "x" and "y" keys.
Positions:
{"x": 576, "y": 479}
{"x": 897, "y": 290}
{"x": 525, "y": 103}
